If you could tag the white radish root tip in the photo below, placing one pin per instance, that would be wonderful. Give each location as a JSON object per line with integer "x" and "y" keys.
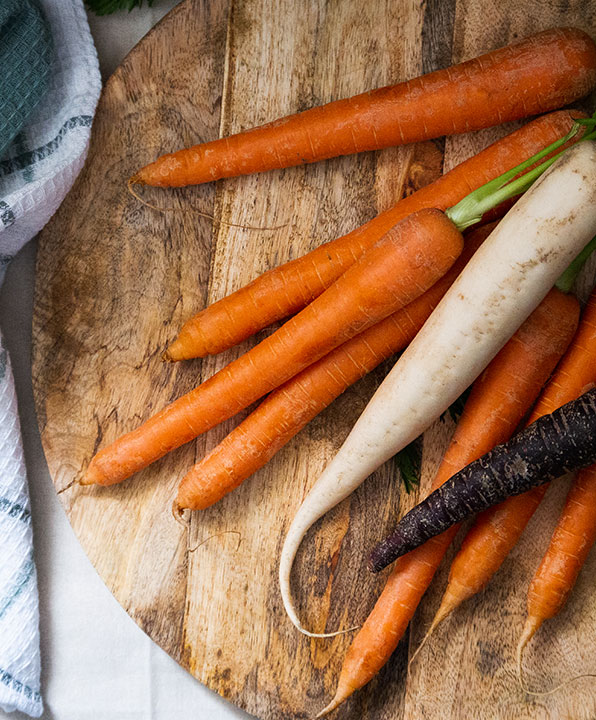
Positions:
{"x": 327, "y": 635}
{"x": 293, "y": 540}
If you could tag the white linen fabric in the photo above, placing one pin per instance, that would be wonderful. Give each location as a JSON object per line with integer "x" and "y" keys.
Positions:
{"x": 35, "y": 174}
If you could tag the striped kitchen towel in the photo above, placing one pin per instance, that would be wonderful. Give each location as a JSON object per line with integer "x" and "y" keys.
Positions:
{"x": 36, "y": 171}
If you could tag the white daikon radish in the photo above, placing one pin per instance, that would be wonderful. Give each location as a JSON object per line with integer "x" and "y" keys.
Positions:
{"x": 502, "y": 284}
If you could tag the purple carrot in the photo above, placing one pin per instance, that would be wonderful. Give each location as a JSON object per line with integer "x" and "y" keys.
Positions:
{"x": 555, "y": 444}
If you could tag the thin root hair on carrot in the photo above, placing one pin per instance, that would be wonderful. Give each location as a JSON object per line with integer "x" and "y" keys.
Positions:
{"x": 76, "y": 481}
{"x": 423, "y": 642}
{"x": 196, "y": 211}
{"x": 520, "y": 673}
{"x": 219, "y": 534}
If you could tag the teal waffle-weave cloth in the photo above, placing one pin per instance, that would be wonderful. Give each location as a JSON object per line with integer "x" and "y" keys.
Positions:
{"x": 48, "y": 93}
{"x": 25, "y": 64}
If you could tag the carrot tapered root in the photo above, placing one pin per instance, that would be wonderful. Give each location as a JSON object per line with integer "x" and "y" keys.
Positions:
{"x": 531, "y": 626}
{"x": 342, "y": 693}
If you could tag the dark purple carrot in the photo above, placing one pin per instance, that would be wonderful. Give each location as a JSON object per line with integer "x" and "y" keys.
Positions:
{"x": 555, "y": 444}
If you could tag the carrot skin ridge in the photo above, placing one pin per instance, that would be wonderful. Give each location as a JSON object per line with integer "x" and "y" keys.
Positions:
{"x": 293, "y": 405}
{"x": 552, "y": 68}
{"x": 496, "y": 531}
{"x": 497, "y": 403}
{"x": 553, "y": 445}
{"x": 394, "y": 272}
{"x": 285, "y": 290}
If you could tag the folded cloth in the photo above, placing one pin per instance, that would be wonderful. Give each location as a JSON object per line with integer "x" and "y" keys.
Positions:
{"x": 36, "y": 171}
{"x": 19, "y": 635}
{"x": 25, "y": 59}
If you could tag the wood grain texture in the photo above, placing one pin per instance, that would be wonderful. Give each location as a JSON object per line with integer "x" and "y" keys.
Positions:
{"x": 114, "y": 282}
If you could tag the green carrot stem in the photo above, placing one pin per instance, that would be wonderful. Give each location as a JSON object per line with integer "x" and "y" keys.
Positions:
{"x": 565, "y": 282}
{"x": 474, "y": 206}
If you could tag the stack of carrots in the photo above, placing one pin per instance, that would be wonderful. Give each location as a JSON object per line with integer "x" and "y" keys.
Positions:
{"x": 363, "y": 297}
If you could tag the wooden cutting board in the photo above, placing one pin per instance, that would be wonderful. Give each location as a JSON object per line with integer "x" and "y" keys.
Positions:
{"x": 114, "y": 282}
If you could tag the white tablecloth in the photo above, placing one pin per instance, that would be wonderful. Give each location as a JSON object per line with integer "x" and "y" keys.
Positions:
{"x": 96, "y": 663}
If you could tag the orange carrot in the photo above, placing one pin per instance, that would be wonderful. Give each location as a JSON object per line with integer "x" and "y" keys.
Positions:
{"x": 541, "y": 73}
{"x": 499, "y": 399}
{"x": 576, "y": 530}
{"x": 496, "y": 531}
{"x": 289, "y": 408}
{"x": 571, "y": 542}
{"x": 407, "y": 261}
{"x": 288, "y": 288}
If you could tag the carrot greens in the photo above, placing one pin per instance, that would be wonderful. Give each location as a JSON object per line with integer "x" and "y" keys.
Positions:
{"x": 474, "y": 206}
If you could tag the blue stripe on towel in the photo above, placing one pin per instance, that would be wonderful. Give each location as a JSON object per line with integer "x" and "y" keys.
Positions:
{"x": 15, "y": 510}
{"x": 20, "y": 162}
{"x": 20, "y": 583}
{"x": 6, "y": 214}
{"x": 13, "y": 684}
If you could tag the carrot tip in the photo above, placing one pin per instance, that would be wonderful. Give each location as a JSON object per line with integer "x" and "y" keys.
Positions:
{"x": 445, "y": 609}
{"x": 177, "y": 351}
{"x": 76, "y": 481}
{"x": 136, "y": 179}
{"x": 178, "y": 514}
{"x": 532, "y": 624}
{"x": 336, "y": 702}
{"x": 90, "y": 477}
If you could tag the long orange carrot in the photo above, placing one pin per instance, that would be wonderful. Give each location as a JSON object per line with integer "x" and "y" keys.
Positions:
{"x": 289, "y": 408}
{"x": 496, "y": 531}
{"x": 541, "y": 73}
{"x": 576, "y": 530}
{"x": 288, "y": 288}
{"x": 407, "y": 261}
{"x": 499, "y": 399}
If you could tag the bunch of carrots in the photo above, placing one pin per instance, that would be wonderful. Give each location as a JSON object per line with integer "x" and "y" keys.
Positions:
{"x": 360, "y": 299}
